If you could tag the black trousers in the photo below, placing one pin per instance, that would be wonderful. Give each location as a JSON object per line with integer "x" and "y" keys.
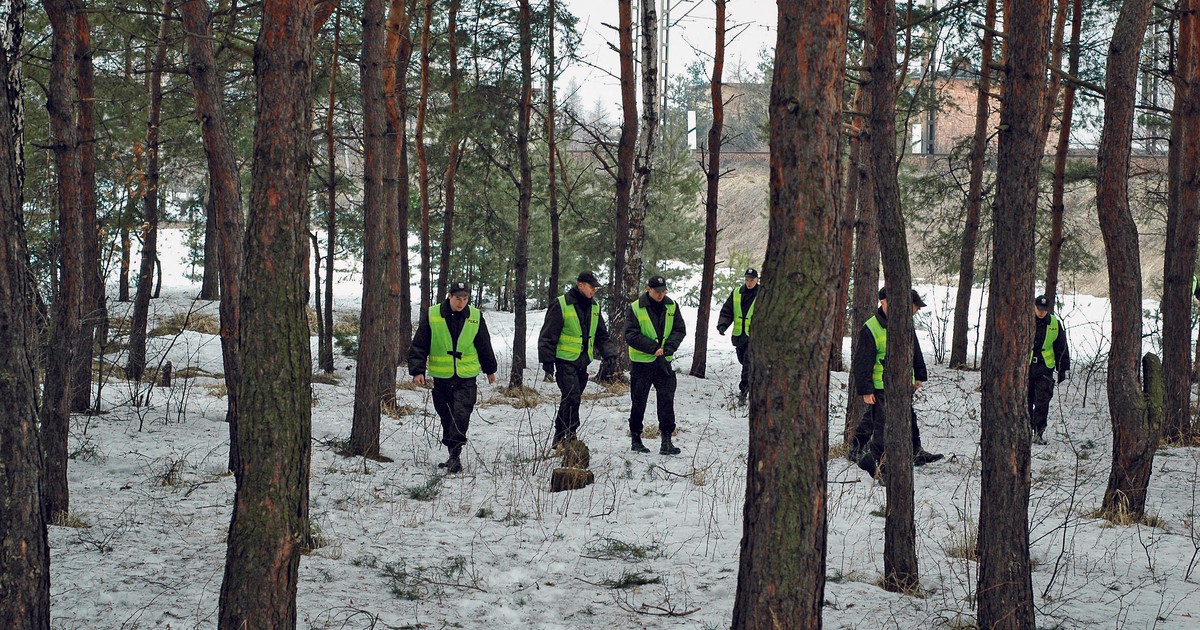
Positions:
{"x": 1041, "y": 390}
{"x": 870, "y": 431}
{"x": 571, "y": 378}
{"x": 742, "y": 346}
{"x": 660, "y": 376}
{"x": 454, "y": 400}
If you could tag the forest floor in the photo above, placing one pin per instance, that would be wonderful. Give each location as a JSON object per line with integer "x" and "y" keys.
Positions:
{"x": 654, "y": 543}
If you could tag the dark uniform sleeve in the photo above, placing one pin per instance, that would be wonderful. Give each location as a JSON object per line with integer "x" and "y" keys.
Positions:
{"x": 725, "y": 319}
{"x": 633, "y": 333}
{"x": 1062, "y": 352}
{"x": 483, "y": 346}
{"x": 551, "y": 329}
{"x": 678, "y": 332}
{"x": 418, "y": 350}
{"x": 604, "y": 344}
{"x": 920, "y": 372}
{"x": 862, "y": 364}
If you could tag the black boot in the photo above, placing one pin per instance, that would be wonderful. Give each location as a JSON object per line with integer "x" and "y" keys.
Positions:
{"x": 453, "y": 464}
{"x": 637, "y": 446}
{"x": 667, "y": 447}
{"x": 922, "y": 457}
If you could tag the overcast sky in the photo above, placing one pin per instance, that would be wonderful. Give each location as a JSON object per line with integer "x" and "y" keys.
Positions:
{"x": 751, "y": 23}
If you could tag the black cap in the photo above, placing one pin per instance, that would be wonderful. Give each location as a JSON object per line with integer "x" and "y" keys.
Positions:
{"x": 751, "y": 273}
{"x": 1042, "y": 302}
{"x": 588, "y": 277}
{"x": 916, "y": 297}
{"x": 458, "y": 287}
{"x": 657, "y": 282}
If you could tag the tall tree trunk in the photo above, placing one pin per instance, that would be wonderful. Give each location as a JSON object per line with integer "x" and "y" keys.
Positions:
{"x": 1134, "y": 438}
{"x": 24, "y": 549}
{"x": 900, "y": 535}
{"x": 422, "y": 160}
{"x": 1050, "y": 100}
{"x": 94, "y": 315}
{"x": 552, "y": 152}
{"x": 270, "y": 510}
{"x": 401, "y": 54}
{"x": 223, "y": 180}
{"x": 64, "y": 338}
{"x": 1183, "y": 219}
{"x": 844, "y": 239}
{"x": 1005, "y": 588}
{"x": 524, "y": 197}
{"x": 866, "y": 268}
{"x": 1058, "y": 185}
{"x": 210, "y": 283}
{"x": 784, "y": 515}
{"x": 325, "y": 343}
{"x": 975, "y": 161}
{"x": 456, "y": 146}
{"x": 135, "y": 367}
{"x": 373, "y": 359}
{"x": 626, "y": 146}
{"x": 712, "y": 173}
{"x": 126, "y": 250}
{"x": 390, "y": 220}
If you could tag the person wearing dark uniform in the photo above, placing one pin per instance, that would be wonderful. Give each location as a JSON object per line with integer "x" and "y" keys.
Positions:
{"x": 867, "y": 445}
{"x": 1050, "y": 354}
{"x": 571, "y": 333}
{"x": 653, "y": 330}
{"x": 452, "y": 344}
{"x": 738, "y": 312}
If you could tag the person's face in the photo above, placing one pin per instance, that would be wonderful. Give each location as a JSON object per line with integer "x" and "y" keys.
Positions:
{"x": 1040, "y": 312}
{"x": 751, "y": 282}
{"x": 656, "y": 294}
{"x": 883, "y": 305}
{"x": 915, "y": 309}
{"x": 458, "y": 301}
{"x": 586, "y": 289}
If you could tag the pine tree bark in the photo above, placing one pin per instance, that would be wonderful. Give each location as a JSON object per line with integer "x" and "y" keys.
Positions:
{"x": 900, "y": 536}
{"x": 93, "y": 314}
{"x": 210, "y": 282}
{"x": 223, "y": 180}
{"x": 864, "y": 296}
{"x": 1059, "y": 179}
{"x": 400, "y": 48}
{"x": 372, "y": 355}
{"x": 975, "y": 162}
{"x": 784, "y": 514}
{"x": 626, "y": 146}
{"x": 24, "y": 549}
{"x": 552, "y": 153}
{"x": 55, "y": 413}
{"x": 135, "y": 366}
{"x": 524, "y": 197}
{"x": 270, "y": 513}
{"x": 325, "y": 342}
{"x": 456, "y": 147}
{"x": 422, "y": 159}
{"x": 1005, "y": 588}
{"x": 712, "y": 175}
{"x": 1134, "y": 439}
{"x": 1183, "y": 220}
{"x": 848, "y": 214}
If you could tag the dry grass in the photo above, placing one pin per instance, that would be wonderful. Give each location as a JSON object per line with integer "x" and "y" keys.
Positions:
{"x": 1122, "y": 516}
{"x": 393, "y": 410}
{"x": 839, "y": 450}
{"x": 192, "y": 371}
{"x": 178, "y": 322}
{"x": 216, "y": 390}
{"x": 68, "y": 519}
{"x": 522, "y": 397}
{"x": 963, "y": 542}
{"x": 347, "y": 323}
{"x": 412, "y": 386}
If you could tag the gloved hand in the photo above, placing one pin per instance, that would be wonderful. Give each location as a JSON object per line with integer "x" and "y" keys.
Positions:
{"x": 721, "y": 331}
{"x": 1062, "y": 376}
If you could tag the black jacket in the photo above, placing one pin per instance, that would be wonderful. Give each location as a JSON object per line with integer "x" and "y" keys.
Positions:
{"x": 658, "y": 316}
{"x": 725, "y": 320}
{"x": 862, "y": 366}
{"x": 418, "y": 352}
{"x": 1062, "y": 353}
{"x": 553, "y": 324}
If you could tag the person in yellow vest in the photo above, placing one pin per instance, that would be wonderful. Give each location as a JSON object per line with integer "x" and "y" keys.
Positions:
{"x": 452, "y": 344}
{"x": 571, "y": 335}
{"x": 653, "y": 330}
{"x": 738, "y": 312}
{"x": 1050, "y": 354}
{"x": 866, "y": 370}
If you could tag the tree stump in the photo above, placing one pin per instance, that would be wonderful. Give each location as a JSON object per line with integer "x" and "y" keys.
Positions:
{"x": 570, "y": 479}
{"x": 576, "y": 454}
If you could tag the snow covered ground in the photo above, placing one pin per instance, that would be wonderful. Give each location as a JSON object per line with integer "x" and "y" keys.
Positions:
{"x": 492, "y": 548}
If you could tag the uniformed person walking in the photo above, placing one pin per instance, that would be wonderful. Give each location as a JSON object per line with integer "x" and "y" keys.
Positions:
{"x": 1050, "y": 354}
{"x": 738, "y": 312}
{"x": 653, "y": 330}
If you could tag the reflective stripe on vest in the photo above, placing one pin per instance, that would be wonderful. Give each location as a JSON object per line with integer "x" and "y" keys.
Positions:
{"x": 741, "y": 324}
{"x": 570, "y": 340}
{"x": 445, "y": 357}
{"x": 1048, "y": 344}
{"x": 880, "y": 335}
{"x": 643, "y": 317}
